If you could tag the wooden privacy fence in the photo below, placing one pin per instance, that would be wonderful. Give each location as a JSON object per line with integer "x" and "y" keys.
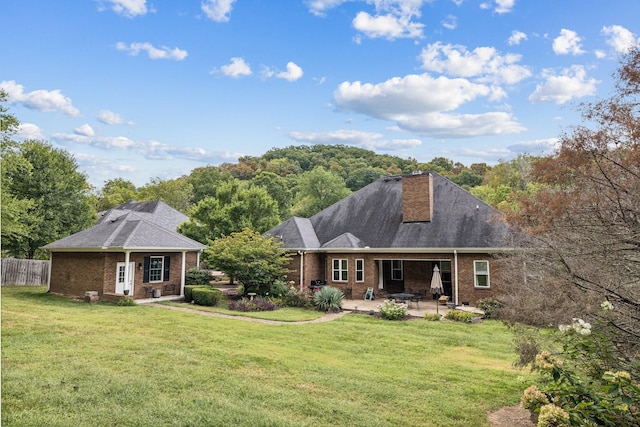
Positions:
{"x": 24, "y": 272}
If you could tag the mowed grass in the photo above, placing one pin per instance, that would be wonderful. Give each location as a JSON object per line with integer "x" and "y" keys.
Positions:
{"x": 68, "y": 363}
{"x": 285, "y": 314}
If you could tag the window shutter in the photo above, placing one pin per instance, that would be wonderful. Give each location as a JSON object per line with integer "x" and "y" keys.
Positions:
{"x": 145, "y": 274}
{"x": 167, "y": 261}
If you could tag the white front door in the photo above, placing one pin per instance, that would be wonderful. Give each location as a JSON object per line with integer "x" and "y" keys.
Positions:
{"x": 121, "y": 283}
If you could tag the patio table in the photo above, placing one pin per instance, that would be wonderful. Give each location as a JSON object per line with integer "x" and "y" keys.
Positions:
{"x": 402, "y": 296}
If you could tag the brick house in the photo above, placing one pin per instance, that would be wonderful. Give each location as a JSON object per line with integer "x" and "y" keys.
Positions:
{"x": 391, "y": 234}
{"x": 134, "y": 248}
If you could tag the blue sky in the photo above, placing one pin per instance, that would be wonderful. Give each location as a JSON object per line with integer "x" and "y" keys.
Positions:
{"x": 143, "y": 89}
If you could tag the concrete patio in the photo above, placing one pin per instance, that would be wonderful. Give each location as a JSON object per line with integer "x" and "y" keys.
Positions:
{"x": 414, "y": 309}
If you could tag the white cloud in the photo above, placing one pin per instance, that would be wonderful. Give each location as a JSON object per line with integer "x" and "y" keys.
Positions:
{"x": 319, "y": 7}
{"x": 619, "y": 38}
{"x": 129, "y": 8}
{"x": 111, "y": 118}
{"x": 151, "y": 150}
{"x": 501, "y": 6}
{"x": 571, "y": 84}
{"x": 29, "y": 131}
{"x": 568, "y": 42}
{"x": 369, "y": 140}
{"x": 537, "y": 147}
{"x": 153, "y": 52}
{"x": 237, "y": 68}
{"x": 217, "y": 10}
{"x": 293, "y": 73}
{"x": 417, "y": 103}
{"x": 504, "y": 6}
{"x": 450, "y": 23}
{"x": 42, "y": 100}
{"x": 484, "y": 63}
{"x": 84, "y": 130}
{"x": 516, "y": 37}
{"x": 387, "y": 26}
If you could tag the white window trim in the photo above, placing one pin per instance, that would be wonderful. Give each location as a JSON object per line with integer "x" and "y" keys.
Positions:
{"x": 361, "y": 271}
{"x": 400, "y": 269}
{"x": 341, "y": 262}
{"x": 475, "y": 275}
{"x": 151, "y": 258}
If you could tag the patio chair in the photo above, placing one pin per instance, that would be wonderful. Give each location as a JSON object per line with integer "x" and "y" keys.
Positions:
{"x": 418, "y": 297}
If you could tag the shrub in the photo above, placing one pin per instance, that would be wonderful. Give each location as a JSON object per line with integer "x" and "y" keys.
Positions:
{"x": 188, "y": 291}
{"x": 328, "y": 299}
{"x": 278, "y": 288}
{"x": 582, "y": 382}
{"x": 206, "y": 296}
{"x": 490, "y": 307}
{"x": 391, "y": 310}
{"x": 460, "y": 316}
{"x": 296, "y": 297}
{"x": 257, "y": 304}
{"x": 127, "y": 302}
{"x": 195, "y": 276}
{"x": 432, "y": 317}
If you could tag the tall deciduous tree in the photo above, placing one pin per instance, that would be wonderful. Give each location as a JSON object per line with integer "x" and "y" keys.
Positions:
{"x": 115, "y": 192}
{"x": 250, "y": 258}
{"x": 317, "y": 190}
{"x": 58, "y": 195}
{"x": 585, "y": 223}
{"x": 177, "y": 193}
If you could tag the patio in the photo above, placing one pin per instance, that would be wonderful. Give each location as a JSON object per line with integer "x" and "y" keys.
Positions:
{"x": 416, "y": 310}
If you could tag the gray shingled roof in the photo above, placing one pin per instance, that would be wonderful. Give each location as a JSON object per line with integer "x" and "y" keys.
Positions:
{"x": 373, "y": 216}
{"x": 132, "y": 226}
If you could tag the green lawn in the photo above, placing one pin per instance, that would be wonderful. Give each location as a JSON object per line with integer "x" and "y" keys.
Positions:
{"x": 66, "y": 363}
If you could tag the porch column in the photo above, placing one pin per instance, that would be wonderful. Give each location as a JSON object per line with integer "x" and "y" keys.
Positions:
{"x": 455, "y": 258}
{"x": 184, "y": 273}
{"x": 380, "y": 275}
{"x": 49, "y": 267}
{"x": 127, "y": 283}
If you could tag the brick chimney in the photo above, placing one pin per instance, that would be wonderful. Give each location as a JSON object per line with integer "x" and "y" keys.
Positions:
{"x": 417, "y": 197}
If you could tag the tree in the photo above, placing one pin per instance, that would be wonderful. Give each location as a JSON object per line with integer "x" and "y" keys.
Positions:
{"x": 317, "y": 190}
{"x": 278, "y": 188}
{"x": 585, "y": 223}
{"x": 58, "y": 196}
{"x": 116, "y": 192}
{"x": 359, "y": 178}
{"x": 177, "y": 193}
{"x": 205, "y": 182}
{"x": 252, "y": 259}
{"x": 15, "y": 210}
{"x": 232, "y": 210}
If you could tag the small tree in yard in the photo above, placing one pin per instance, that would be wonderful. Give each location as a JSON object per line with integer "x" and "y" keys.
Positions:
{"x": 252, "y": 259}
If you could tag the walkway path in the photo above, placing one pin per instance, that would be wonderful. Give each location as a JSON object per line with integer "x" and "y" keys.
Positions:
{"x": 326, "y": 318}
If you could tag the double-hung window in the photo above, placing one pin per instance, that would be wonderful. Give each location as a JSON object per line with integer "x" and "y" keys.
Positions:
{"x": 359, "y": 270}
{"x": 396, "y": 269}
{"x": 156, "y": 267}
{"x": 481, "y": 274}
{"x": 340, "y": 270}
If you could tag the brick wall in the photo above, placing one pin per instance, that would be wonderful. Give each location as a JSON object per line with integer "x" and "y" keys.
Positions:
{"x": 77, "y": 273}
{"x": 417, "y": 274}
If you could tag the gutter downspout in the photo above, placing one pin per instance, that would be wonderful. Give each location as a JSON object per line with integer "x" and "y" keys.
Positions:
{"x": 301, "y": 269}
{"x": 455, "y": 257}
{"x": 49, "y": 278}
{"x": 184, "y": 273}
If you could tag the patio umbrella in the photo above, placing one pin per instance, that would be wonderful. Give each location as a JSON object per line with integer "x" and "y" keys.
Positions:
{"x": 436, "y": 284}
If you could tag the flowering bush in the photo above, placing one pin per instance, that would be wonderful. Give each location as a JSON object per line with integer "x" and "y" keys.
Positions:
{"x": 296, "y": 297}
{"x": 257, "y": 304}
{"x": 391, "y": 310}
{"x": 581, "y": 389}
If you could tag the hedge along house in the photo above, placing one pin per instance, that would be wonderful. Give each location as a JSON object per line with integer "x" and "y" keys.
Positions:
{"x": 391, "y": 234}
{"x": 133, "y": 249}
